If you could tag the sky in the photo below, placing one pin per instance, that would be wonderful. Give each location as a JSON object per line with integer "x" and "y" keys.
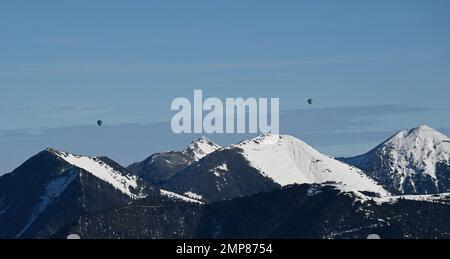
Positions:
{"x": 372, "y": 68}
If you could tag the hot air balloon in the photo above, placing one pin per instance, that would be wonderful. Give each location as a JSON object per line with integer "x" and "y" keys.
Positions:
{"x": 310, "y": 101}
{"x": 99, "y": 122}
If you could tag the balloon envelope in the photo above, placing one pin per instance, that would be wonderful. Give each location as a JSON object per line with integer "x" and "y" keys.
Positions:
{"x": 99, "y": 122}
{"x": 310, "y": 101}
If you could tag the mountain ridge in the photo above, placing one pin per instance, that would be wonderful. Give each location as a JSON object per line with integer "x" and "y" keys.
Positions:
{"x": 160, "y": 167}
{"x": 264, "y": 163}
{"x": 187, "y": 193}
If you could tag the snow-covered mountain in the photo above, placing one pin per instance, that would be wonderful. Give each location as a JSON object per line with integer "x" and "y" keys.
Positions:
{"x": 160, "y": 167}
{"x": 264, "y": 163}
{"x": 54, "y": 188}
{"x": 413, "y": 161}
{"x": 112, "y": 174}
{"x": 200, "y": 148}
{"x": 288, "y": 160}
{"x": 173, "y": 194}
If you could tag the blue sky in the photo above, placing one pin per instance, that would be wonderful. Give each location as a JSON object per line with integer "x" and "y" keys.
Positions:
{"x": 66, "y": 64}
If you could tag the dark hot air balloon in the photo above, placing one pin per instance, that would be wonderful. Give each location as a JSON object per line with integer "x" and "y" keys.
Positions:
{"x": 310, "y": 101}
{"x": 99, "y": 122}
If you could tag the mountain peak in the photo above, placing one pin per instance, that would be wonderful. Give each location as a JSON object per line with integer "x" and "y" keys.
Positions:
{"x": 201, "y": 147}
{"x": 412, "y": 161}
{"x": 52, "y": 150}
{"x": 268, "y": 139}
{"x": 417, "y": 138}
{"x": 426, "y": 131}
{"x": 203, "y": 139}
{"x": 288, "y": 160}
{"x": 102, "y": 168}
{"x": 424, "y": 128}
{"x": 59, "y": 153}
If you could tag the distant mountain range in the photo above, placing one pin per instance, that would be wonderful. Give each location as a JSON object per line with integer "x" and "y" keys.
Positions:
{"x": 271, "y": 186}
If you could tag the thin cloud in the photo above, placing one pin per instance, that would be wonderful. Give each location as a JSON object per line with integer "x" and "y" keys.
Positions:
{"x": 47, "y": 69}
{"x": 64, "y": 108}
{"x": 75, "y": 108}
{"x": 341, "y": 119}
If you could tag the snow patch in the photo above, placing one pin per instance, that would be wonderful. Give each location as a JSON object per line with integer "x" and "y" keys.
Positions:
{"x": 443, "y": 198}
{"x": 104, "y": 172}
{"x": 193, "y": 195}
{"x": 201, "y": 148}
{"x": 52, "y": 191}
{"x": 313, "y": 191}
{"x": 219, "y": 170}
{"x": 3, "y": 206}
{"x": 177, "y": 196}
